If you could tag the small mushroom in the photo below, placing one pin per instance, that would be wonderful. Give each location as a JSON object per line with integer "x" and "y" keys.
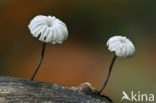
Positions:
{"x": 122, "y": 47}
{"x": 49, "y": 29}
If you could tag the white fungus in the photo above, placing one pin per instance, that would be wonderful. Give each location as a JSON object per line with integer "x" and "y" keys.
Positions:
{"x": 122, "y": 46}
{"x": 49, "y": 29}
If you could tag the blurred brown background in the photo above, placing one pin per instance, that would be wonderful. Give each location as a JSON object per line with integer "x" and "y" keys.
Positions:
{"x": 84, "y": 56}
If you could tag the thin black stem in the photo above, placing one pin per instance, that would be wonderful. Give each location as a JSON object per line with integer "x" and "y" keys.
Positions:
{"x": 107, "y": 78}
{"x": 37, "y": 68}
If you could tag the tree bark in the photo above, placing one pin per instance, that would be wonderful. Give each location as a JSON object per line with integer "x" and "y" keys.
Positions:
{"x": 17, "y": 90}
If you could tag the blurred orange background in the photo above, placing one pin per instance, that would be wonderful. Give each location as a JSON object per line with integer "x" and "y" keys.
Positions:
{"x": 84, "y": 56}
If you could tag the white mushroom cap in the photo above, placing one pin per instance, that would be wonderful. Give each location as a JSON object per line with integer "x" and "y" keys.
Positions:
{"x": 49, "y": 29}
{"x": 121, "y": 45}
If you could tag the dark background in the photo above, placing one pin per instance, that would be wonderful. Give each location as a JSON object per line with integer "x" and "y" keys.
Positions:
{"x": 84, "y": 56}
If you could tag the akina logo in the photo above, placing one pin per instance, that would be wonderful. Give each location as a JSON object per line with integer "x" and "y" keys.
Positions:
{"x": 137, "y": 97}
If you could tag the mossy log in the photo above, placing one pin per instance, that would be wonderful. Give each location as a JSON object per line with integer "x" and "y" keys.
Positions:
{"x": 17, "y": 90}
